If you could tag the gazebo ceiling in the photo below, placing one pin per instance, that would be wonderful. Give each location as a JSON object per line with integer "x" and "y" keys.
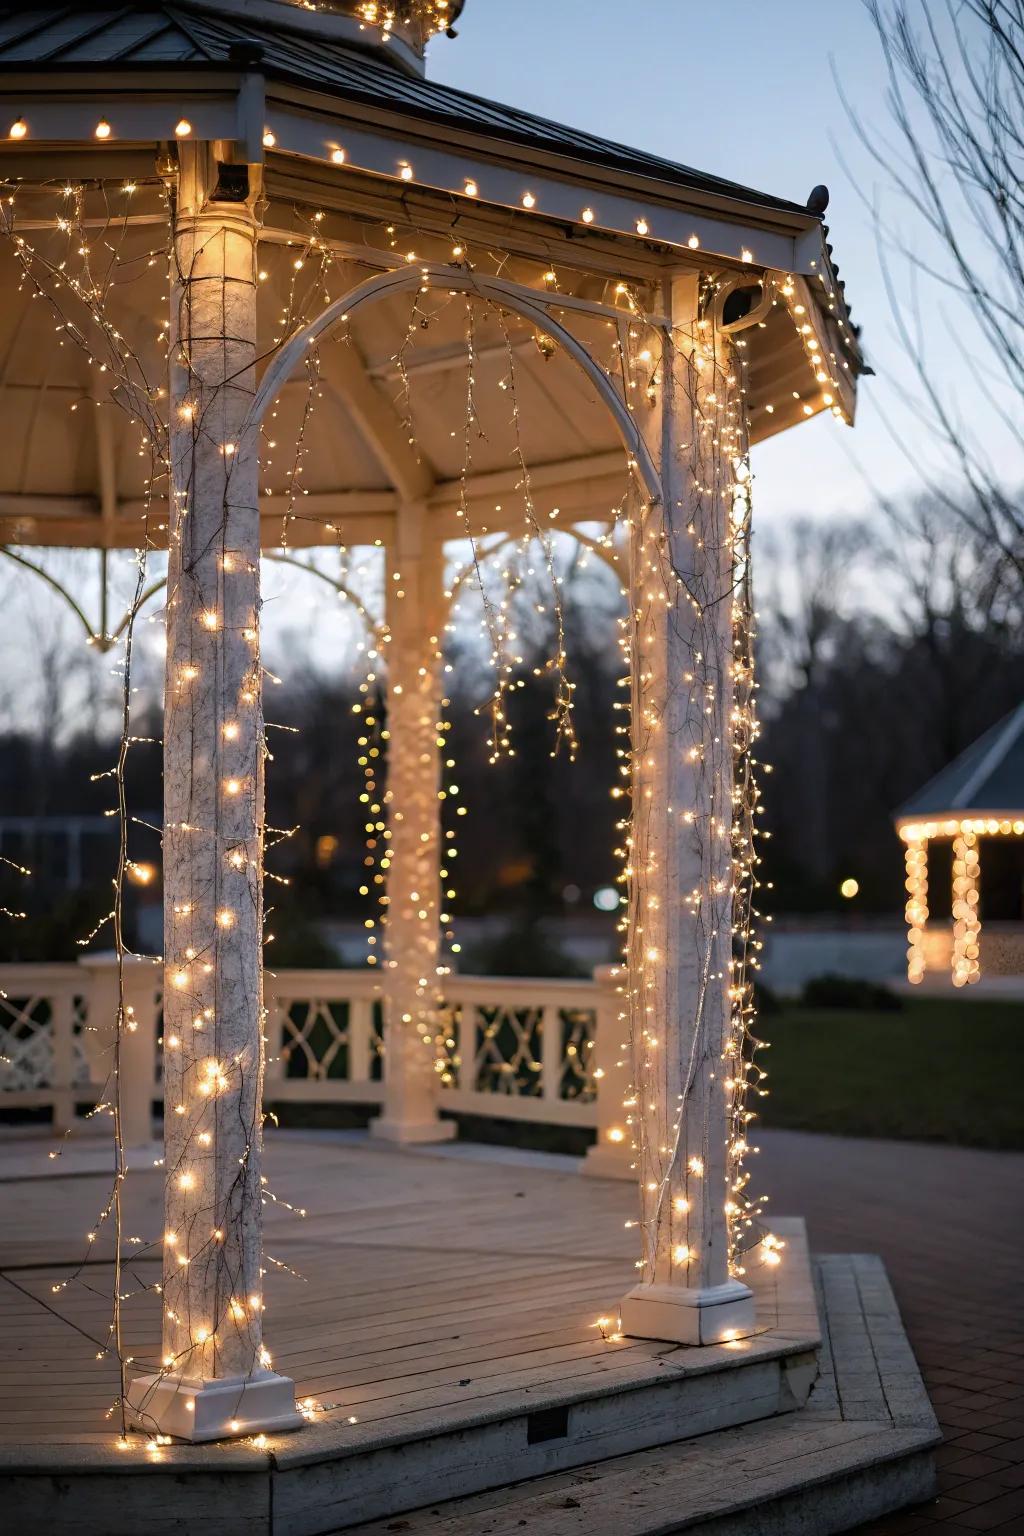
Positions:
{"x": 398, "y": 167}
{"x": 385, "y": 411}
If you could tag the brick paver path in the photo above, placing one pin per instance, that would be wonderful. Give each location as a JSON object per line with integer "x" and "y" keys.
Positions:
{"x": 949, "y": 1224}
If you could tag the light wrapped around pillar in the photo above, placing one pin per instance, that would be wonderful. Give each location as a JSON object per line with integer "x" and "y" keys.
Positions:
{"x": 682, "y": 881}
{"x": 216, "y": 1379}
{"x": 966, "y": 922}
{"x": 916, "y": 909}
{"x": 412, "y": 928}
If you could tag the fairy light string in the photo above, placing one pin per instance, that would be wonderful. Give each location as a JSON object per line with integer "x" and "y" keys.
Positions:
{"x": 707, "y": 713}
{"x": 126, "y": 386}
{"x": 721, "y": 689}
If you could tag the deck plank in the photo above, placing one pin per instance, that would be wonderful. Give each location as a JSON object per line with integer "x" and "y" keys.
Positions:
{"x": 434, "y": 1285}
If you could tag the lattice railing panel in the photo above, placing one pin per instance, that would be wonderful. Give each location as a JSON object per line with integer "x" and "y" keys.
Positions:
{"x": 316, "y": 1039}
{"x": 529, "y": 1044}
{"x": 502, "y": 1047}
{"x": 27, "y": 1045}
{"x": 579, "y": 1026}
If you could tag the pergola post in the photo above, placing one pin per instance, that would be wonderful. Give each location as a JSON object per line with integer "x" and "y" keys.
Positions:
{"x": 679, "y": 973}
{"x": 412, "y": 930}
{"x": 215, "y": 1379}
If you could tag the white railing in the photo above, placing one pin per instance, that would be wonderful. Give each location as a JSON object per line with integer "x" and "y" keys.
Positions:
{"x": 538, "y": 1050}
{"x": 324, "y": 1041}
{"x": 43, "y": 1055}
{"x": 517, "y": 1049}
{"x": 523, "y": 1049}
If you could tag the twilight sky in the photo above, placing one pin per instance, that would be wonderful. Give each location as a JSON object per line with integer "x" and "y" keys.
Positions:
{"x": 747, "y": 91}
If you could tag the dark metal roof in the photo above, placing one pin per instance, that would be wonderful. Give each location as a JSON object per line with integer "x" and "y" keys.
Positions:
{"x": 987, "y": 776}
{"x": 88, "y": 35}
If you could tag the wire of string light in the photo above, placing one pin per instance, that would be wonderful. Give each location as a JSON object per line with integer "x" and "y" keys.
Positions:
{"x": 140, "y": 400}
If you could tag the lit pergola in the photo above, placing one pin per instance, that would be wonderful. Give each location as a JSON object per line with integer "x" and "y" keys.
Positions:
{"x": 265, "y": 285}
{"x": 975, "y": 797}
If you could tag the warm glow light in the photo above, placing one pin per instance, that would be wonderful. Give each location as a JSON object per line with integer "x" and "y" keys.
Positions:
{"x": 849, "y": 888}
{"x": 183, "y": 128}
{"x": 103, "y": 129}
{"x": 18, "y": 128}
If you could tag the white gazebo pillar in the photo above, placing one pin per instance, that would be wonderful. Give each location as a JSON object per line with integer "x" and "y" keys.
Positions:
{"x": 678, "y": 989}
{"x": 412, "y": 928}
{"x": 215, "y": 1379}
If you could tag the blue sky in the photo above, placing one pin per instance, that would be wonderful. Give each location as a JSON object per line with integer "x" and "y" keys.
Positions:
{"x": 747, "y": 91}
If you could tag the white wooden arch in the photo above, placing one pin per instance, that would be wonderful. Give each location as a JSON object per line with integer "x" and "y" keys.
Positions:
{"x": 494, "y": 290}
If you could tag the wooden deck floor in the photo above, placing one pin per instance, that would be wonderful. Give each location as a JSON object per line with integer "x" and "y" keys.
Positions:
{"x": 434, "y": 1282}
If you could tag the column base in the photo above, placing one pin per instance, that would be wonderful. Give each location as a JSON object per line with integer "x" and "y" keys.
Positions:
{"x": 607, "y": 1160}
{"x": 712, "y": 1315}
{"x": 223, "y": 1409}
{"x": 412, "y": 1132}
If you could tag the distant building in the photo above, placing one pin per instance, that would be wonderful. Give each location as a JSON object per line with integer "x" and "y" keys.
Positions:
{"x": 69, "y": 852}
{"x": 979, "y": 796}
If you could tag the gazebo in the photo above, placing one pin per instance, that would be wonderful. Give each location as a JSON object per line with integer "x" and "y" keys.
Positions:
{"x": 266, "y": 285}
{"x": 978, "y": 796}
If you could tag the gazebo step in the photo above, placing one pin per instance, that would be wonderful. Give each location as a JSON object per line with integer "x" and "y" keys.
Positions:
{"x": 524, "y": 1433}
{"x": 659, "y": 1394}
{"x": 863, "y": 1446}
{"x": 492, "y": 1415}
{"x": 776, "y": 1478}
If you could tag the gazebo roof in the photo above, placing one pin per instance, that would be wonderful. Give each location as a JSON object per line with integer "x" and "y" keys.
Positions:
{"x": 988, "y": 776}
{"x": 342, "y": 121}
{"x": 159, "y": 34}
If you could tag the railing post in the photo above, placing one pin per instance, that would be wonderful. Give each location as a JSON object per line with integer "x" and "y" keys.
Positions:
{"x": 138, "y": 1037}
{"x": 63, "y": 1059}
{"x": 360, "y": 1034}
{"x": 612, "y": 1155}
{"x": 550, "y": 1024}
{"x": 273, "y": 1031}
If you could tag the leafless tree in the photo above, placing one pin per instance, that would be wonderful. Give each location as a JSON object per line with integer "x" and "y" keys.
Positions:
{"x": 955, "y": 153}
{"x": 806, "y": 570}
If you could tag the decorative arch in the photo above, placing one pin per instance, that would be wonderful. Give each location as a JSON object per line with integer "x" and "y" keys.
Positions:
{"x": 493, "y": 289}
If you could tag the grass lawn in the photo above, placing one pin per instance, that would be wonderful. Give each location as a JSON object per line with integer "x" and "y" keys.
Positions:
{"x": 941, "y": 1069}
